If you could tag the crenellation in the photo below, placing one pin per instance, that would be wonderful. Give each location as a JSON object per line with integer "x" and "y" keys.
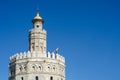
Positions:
{"x": 49, "y": 55}
{"x": 53, "y": 55}
{"x": 34, "y": 54}
{"x": 57, "y": 56}
{"x": 24, "y": 55}
{"x": 28, "y": 54}
{"x": 21, "y": 55}
{"x": 17, "y": 56}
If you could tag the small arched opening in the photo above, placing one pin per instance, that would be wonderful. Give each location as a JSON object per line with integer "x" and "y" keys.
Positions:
{"x": 22, "y": 78}
{"x": 36, "y": 78}
{"x": 51, "y": 78}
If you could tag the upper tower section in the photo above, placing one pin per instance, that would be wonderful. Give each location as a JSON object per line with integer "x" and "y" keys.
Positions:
{"x": 37, "y": 21}
{"x": 37, "y": 35}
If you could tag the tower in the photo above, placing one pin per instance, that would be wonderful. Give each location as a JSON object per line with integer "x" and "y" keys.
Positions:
{"x": 37, "y": 36}
{"x": 37, "y": 63}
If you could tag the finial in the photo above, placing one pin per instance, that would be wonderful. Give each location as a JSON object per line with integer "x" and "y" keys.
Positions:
{"x": 38, "y": 14}
{"x": 37, "y": 17}
{"x": 37, "y": 5}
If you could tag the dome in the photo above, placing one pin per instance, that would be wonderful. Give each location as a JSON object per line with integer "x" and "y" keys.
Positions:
{"x": 37, "y": 18}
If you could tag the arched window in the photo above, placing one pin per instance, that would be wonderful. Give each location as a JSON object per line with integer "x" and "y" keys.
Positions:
{"x": 36, "y": 78}
{"x": 53, "y": 68}
{"x": 37, "y": 26}
{"x": 48, "y": 68}
{"x": 21, "y": 78}
{"x": 40, "y": 68}
{"x": 51, "y": 78}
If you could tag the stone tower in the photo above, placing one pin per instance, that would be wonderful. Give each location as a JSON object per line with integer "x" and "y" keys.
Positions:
{"x": 37, "y": 64}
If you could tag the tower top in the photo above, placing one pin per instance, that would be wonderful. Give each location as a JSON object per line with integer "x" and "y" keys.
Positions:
{"x": 37, "y": 17}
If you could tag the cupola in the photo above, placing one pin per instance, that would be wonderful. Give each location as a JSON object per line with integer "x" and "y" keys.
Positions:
{"x": 37, "y": 18}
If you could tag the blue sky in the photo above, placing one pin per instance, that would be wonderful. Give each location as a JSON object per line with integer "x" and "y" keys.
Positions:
{"x": 87, "y": 33}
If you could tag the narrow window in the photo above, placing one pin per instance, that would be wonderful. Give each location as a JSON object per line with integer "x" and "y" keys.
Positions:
{"x": 49, "y": 68}
{"x": 21, "y": 78}
{"x": 36, "y": 78}
{"x": 54, "y": 68}
{"x": 40, "y": 67}
{"x": 51, "y": 78}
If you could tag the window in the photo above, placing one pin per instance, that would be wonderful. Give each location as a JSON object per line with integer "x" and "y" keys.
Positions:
{"x": 51, "y": 78}
{"x": 20, "y": 68}
{"x": 36, "y": 78}
{"x": 48, "y": 67}
{"x": 40, "y": 67}
{"x": 21, "y": 78}
{"x": 54, "y": 68}
{"x": 33, "y": 67}
{"x": 37, "y": 26}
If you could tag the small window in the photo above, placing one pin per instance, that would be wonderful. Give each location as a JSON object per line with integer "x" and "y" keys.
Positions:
{"x": 36, "y": 78}
{"x": 20, "y": 68}
{"x": 37, "y": 26}
{"x": 40, "y": 67}
{"x": 54, "y": 68}
{"x": 33, "y": 67}
{"x": 51, "y": 78}
{"x": 21, "y": 78}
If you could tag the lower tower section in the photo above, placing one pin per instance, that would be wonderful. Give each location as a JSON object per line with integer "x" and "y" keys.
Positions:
{"x": 25, "y": 66}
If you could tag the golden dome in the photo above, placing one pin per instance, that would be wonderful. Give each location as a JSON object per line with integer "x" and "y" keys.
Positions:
{"x": 37, "y": 16}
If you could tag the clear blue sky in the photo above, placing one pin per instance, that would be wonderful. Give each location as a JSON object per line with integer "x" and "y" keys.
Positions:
{"x": 87, "y": 33}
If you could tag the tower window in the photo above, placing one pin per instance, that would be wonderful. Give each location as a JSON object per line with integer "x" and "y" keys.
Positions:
{"x": 51, "y": 78}
{"x": 40, "y": 67}
{"x": 48, "y": 68}
{"x": 37, "y": 26}
{"x": 21, "y": 78}
{"x": 20, "y": 68}
{"x": 53, "y": 68}
{"x": 36, "y": 78}
{"x": 33, "y": 67}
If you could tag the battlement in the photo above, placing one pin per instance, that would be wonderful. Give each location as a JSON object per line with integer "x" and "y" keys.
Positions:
{"x": 28, "y": 55}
